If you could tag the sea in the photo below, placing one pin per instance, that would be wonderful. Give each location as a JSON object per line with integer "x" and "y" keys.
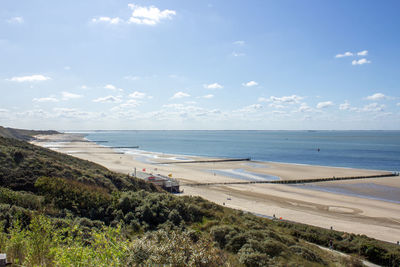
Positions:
{"x": 378, "y": 150}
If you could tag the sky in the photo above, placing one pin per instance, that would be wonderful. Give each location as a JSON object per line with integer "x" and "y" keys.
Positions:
{"x": 200, "y": 65}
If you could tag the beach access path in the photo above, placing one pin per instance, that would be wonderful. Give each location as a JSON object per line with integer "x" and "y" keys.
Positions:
{"x": 349, "y": 213}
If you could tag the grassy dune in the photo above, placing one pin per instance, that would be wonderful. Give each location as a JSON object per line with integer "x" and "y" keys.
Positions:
{"x": 21, "y": 134}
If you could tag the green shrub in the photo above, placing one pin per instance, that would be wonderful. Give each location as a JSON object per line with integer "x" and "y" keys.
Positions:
{"x": 220, "y": 233}
{"x": 306, "y": 254}
{"x": 39, "y": 242}
{"x": 81, "y": 199}
{"x": 16, "y": 246}
{"x": 22, "y": 199}
{"x": 252, "y": 258}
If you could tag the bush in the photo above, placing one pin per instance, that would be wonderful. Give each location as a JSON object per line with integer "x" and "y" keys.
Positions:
{"x": 235, "y": 241}
{"x": 82, "y": 199}
{"x": 175, "y": 248}
{"x": 18, "y": 157}
{"x": 273, "y": 248}
{"x": 251, "y": 258}
{"x": 219, "y": 234}
{"x": 306, "y": 254}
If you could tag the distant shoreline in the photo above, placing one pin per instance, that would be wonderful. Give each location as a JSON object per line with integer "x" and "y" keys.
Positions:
{"x": 354, "y": 150}
{"x": 251, "y": 160}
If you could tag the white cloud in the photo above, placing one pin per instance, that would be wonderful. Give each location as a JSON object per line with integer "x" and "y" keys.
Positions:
{"x": 67, "y": 68}
{"x": 235, "y": 54}
{"x": 344, "y": 106}
{"x": 185, "y": 112}
{"x": 360, "y": 61}
{"x": 113, "y": 21}
{"x": 137, "y": 95}
{"x": 16, "y": 20}
{"x": 377, "y": 96}
{"x": 126, "y": 108}
{"x": 32, "y": 78}
{"x": 108, "y": 99}
{"x": 131, "y": 77}
{"x": 173, "y": 106}
{"x": 250, "y": 84}
{"x": 129, "y": 103}
{"x": 45, "y": 99}
{"x": 179, "y": 95}
{"x": 398, "y": 104}
{"x": 68, "y": 96}
{"x": 346, "y": 54}
{"x": 279, "y": 112}
{"x": 373, "y": 107}
{"x": 240, "y": 43}
{"x": 149, "y": 15}
{"x": 255, "y": 106}
{"x": 208, "y": 96}
{"x": 249, "y": 109}
{"x": 72, "y": 113}
{"x": 362, "y": 53}
{"x": 213, "y": 86}
{"x": 305, "y": 108}
{"x": 284, "y": 99}
{"x": 275, "y": 105}
{"x": 324, "y": 104}
{"x": 35, "y": 113}
{"x": 112, "y": 87}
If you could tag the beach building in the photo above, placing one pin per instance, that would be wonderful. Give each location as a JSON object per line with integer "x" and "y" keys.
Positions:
{"x": 167, "y": 183}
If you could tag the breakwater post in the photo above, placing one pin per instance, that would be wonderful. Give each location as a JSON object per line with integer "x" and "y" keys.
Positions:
{"x": 298, "y": 181}
{"x": 204, "y": 161}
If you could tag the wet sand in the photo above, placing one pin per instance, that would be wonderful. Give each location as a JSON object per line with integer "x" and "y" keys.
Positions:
{"x": 350, "y": 213}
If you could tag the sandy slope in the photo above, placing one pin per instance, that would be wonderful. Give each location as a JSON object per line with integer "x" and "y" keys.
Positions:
{"x": 374, "y": 218}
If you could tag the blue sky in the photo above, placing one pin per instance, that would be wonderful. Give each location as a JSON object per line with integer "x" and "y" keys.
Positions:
{"x": 113, "y": 64}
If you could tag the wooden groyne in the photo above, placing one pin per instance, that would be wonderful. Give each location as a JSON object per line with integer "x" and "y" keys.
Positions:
{"x": 99, "y": 147}
{"x": 204, "y": 161}
{"x": 90, "y": 152}
{"x": 298, "y": 181}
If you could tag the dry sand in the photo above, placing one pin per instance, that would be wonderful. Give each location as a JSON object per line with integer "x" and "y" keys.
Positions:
{"x": 374, "y": 218}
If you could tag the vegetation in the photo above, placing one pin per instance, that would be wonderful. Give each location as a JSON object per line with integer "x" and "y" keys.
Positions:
{"x": 21, "y": 134}
{"x": 57, "y": 210}
{"x": 21, "y": 164}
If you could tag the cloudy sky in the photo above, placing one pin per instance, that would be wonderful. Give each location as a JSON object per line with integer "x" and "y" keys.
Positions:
{"x": 222, "y": 64}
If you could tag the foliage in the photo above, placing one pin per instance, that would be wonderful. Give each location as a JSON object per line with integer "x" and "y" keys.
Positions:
{"x": 177, "y": 248}
{"x": 81, "y": 199}
{"x": 43, "y": 244}
{"x": 22, "y": 199}
{"x": 21, "y": 134}
{"x": 376, "y": 251}
{"x": 21, "y": 164}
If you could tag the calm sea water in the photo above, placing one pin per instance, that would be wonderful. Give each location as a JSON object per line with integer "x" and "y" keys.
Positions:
{"x": 356, "y": 149}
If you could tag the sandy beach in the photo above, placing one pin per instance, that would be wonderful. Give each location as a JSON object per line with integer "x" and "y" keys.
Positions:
{"x": 345, "y": 212}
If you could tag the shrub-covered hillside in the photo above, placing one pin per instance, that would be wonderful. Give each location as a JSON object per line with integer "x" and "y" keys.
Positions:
{"x": 57, "y": 210}
{"x": 22, "y": 163}
{"x": 21, "y": 134}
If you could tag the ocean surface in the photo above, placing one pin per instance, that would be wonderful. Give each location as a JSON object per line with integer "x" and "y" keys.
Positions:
{"x": 378, "y": 150}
